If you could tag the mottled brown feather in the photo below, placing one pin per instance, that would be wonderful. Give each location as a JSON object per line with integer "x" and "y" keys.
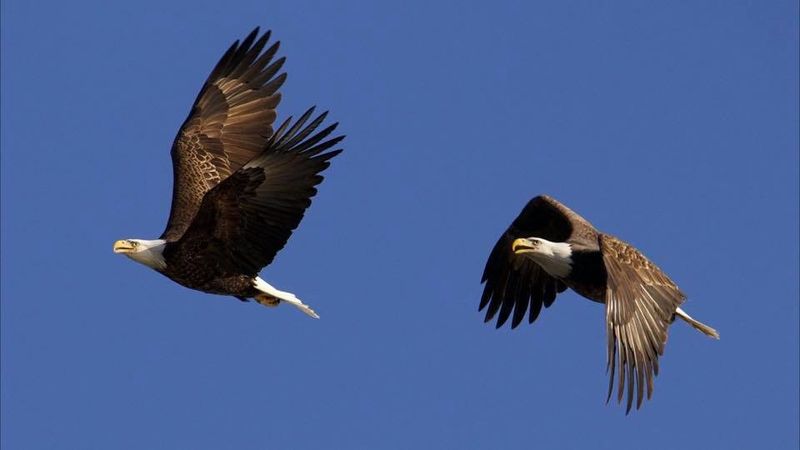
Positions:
{"x": 640, "y": 303}
{"x": 248, "y": 217}
{"x": 229, "y": 124}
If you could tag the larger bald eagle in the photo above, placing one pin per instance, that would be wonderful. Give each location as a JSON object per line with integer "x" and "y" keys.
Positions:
{"x": 549, "y": 248}
{"x": 239, "y": 188}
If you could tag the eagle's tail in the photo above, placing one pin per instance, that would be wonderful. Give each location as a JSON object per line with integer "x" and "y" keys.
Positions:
{"x": 288, "y": 297}
{"x": 703, "y": 328}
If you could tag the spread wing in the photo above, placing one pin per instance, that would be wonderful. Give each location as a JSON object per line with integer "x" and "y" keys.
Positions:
{"x": 518, "y": 284}
{"x": 640, "y": 303}
{"x": 230, "y": 123}
{"x": 248, "y": 217}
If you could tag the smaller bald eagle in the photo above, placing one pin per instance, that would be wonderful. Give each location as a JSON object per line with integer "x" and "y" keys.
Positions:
{"x": 239, "y": 188}
{"x": 549, "y": 248}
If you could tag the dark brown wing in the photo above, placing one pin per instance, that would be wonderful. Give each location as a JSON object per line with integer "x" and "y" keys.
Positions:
{"x": 640, "y": 303}
{"x": 230, "y": 123}
{"x": 247, "y": 218}
{"x": 517, "y": 284}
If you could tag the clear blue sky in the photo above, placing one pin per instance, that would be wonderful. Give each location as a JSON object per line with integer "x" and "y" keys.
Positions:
{"x": 671, "y": 124}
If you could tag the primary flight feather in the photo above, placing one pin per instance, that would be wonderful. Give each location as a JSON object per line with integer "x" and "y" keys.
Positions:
{"x": 240, "y": 188}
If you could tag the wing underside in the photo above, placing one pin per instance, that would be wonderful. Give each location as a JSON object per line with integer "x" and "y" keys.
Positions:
{"x": 640, "y": 303}
{"x": 516, "y": 285}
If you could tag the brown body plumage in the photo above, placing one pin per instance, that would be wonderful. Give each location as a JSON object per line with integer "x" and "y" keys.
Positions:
{"x": 641, "y": 301}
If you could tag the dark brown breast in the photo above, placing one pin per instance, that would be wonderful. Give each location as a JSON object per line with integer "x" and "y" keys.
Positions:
{"x": 588, "y": 276}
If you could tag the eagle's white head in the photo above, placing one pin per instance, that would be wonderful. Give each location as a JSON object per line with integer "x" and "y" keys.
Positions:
{"x": 149, "y": 253}
{"x": 554, "y": 257}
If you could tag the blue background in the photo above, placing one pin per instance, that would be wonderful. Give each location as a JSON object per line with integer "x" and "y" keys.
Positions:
{"x": 671, "y": 124}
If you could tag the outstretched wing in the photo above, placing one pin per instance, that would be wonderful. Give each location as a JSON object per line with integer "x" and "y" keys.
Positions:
{"x": 230, "y": 123}
{"x": 247, "y": 218}
{"x": 518, "y": 284}
{"x": 640, "y": 303}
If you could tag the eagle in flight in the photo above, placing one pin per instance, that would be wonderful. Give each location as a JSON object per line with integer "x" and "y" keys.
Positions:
{"x": 549, "y": 248}
{"x": 240, "y": 188}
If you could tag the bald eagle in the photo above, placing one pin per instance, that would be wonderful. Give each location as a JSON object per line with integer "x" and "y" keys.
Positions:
{"x": 549, "y": 248}
{"x": 239, "y": 188}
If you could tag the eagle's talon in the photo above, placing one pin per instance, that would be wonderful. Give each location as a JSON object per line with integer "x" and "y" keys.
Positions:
{"x": 267, "y": 300}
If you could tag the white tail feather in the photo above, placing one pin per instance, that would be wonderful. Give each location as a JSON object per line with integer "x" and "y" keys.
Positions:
{"x": 287, "y": 297}
{"x": 703, "y": 328}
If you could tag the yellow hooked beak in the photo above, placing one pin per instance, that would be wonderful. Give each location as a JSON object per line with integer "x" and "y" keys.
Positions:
{"x": 521, "y": 245}
{"x": 124, "y": 246}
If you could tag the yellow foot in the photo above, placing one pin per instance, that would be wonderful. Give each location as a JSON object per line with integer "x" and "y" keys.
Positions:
{"x": 267, "y": 300}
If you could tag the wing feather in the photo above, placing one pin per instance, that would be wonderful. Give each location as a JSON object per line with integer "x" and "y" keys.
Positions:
{"x": 249, "y": 216}
{"x": 640, "y": 303}
{"x": 230, "y": 123}
{"x": 517, "y": 285}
